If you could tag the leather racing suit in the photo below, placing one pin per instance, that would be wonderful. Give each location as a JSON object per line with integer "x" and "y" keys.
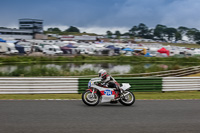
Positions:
{"x": 110, "y": 82}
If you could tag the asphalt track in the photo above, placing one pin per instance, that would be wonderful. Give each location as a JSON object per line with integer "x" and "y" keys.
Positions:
{"x": 153, "y": 116}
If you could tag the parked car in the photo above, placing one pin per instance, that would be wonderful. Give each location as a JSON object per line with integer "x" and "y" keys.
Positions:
{"x": 11, "y": 48}
{"x": 52, "y": 50}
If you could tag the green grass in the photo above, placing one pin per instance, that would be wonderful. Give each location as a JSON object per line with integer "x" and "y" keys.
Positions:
{"x": 138, "y": 95}
{"x": 183, "y": 45}
{"x": 168, "y": 95}
{"x": 82, "y": 58}
{"x": 40, "y": 96}
{"x": 187, "y": 45}
{"x": 194, "y": 75}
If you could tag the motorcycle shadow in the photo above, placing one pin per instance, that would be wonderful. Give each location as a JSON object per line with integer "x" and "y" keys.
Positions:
{"x": 108, "y": 105}
{"x": 112, "y": 105}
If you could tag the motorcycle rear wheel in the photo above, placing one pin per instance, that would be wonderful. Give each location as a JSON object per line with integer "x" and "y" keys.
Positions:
{"x": 89, "y": 100}
{"x": 128, "y": 100}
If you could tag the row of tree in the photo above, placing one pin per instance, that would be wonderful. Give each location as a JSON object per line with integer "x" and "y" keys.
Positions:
{"x": 57, "y": 30}
{"x": 160, "y": 32}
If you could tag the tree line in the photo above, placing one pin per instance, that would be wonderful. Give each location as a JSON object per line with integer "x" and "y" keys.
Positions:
{"x": 160, "y": 32}
{"x": 58, "y": 31}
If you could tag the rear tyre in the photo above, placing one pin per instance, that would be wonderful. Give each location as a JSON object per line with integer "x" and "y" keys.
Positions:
{"x": 90, "y": 100}
{"x": 128, "y": 99}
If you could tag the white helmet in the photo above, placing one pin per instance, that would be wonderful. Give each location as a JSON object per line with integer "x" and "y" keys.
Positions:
{"x": 102, "y": 73}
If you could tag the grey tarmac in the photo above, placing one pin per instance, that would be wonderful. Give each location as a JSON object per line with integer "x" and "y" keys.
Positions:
{"x": 73, "y": 116}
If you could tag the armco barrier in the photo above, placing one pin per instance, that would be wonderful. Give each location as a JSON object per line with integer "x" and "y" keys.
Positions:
{"x": 181, "y": 83}
{"x": 137, "y": 84}
{"x": 38, "y": 85}
{"x": 78, "y": 85}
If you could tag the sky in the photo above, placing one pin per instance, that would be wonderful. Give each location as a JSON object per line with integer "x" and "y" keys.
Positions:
{"x": 99, "y": 16}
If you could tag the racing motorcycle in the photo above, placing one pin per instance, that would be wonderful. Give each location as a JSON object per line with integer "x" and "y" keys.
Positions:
{"x": 98, "y": 92}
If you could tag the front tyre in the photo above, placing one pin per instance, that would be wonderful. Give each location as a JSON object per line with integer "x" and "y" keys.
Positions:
{"x": 89, "y": 99}
{"x": 128, "y": 99}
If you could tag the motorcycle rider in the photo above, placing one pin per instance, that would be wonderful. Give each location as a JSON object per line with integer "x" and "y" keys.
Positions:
{"x": 108, "y": 80}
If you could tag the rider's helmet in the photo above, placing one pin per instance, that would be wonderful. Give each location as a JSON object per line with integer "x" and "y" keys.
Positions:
{"x": 102, "y": 73}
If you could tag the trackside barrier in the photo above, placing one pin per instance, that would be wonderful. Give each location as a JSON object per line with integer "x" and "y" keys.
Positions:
{"x": 181, "y": 83}
{"x": 78, "y": 85}
{"x": 137, "y": 84}
{"x": 38, "y": 85}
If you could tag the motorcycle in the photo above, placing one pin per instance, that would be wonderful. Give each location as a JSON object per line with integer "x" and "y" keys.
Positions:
{"x": 98, "y": 92}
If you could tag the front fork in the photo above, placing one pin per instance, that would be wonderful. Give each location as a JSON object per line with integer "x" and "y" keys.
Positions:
{"x": 92, "y": 93}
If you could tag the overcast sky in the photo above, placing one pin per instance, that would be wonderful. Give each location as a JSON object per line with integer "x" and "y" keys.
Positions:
{"x": 98, "y": 16}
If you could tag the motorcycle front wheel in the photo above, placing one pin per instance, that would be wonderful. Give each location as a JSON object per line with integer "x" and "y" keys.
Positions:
{"x": 128, "y": 99}
{"x": 89, "y": 99}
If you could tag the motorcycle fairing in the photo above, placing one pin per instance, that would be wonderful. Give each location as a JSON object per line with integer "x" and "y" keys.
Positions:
{"x": 107, "y": 94}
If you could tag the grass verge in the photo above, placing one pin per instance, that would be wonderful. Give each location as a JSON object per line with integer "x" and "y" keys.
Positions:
{"x": 138, "y": 95}
{"x": 168, "y": 95}
{"x": 194, "y": 75}
{"x": 85, "y": 58}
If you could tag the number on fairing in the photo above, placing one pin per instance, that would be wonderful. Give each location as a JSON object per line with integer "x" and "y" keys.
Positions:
{"x": 108, "y": 92}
